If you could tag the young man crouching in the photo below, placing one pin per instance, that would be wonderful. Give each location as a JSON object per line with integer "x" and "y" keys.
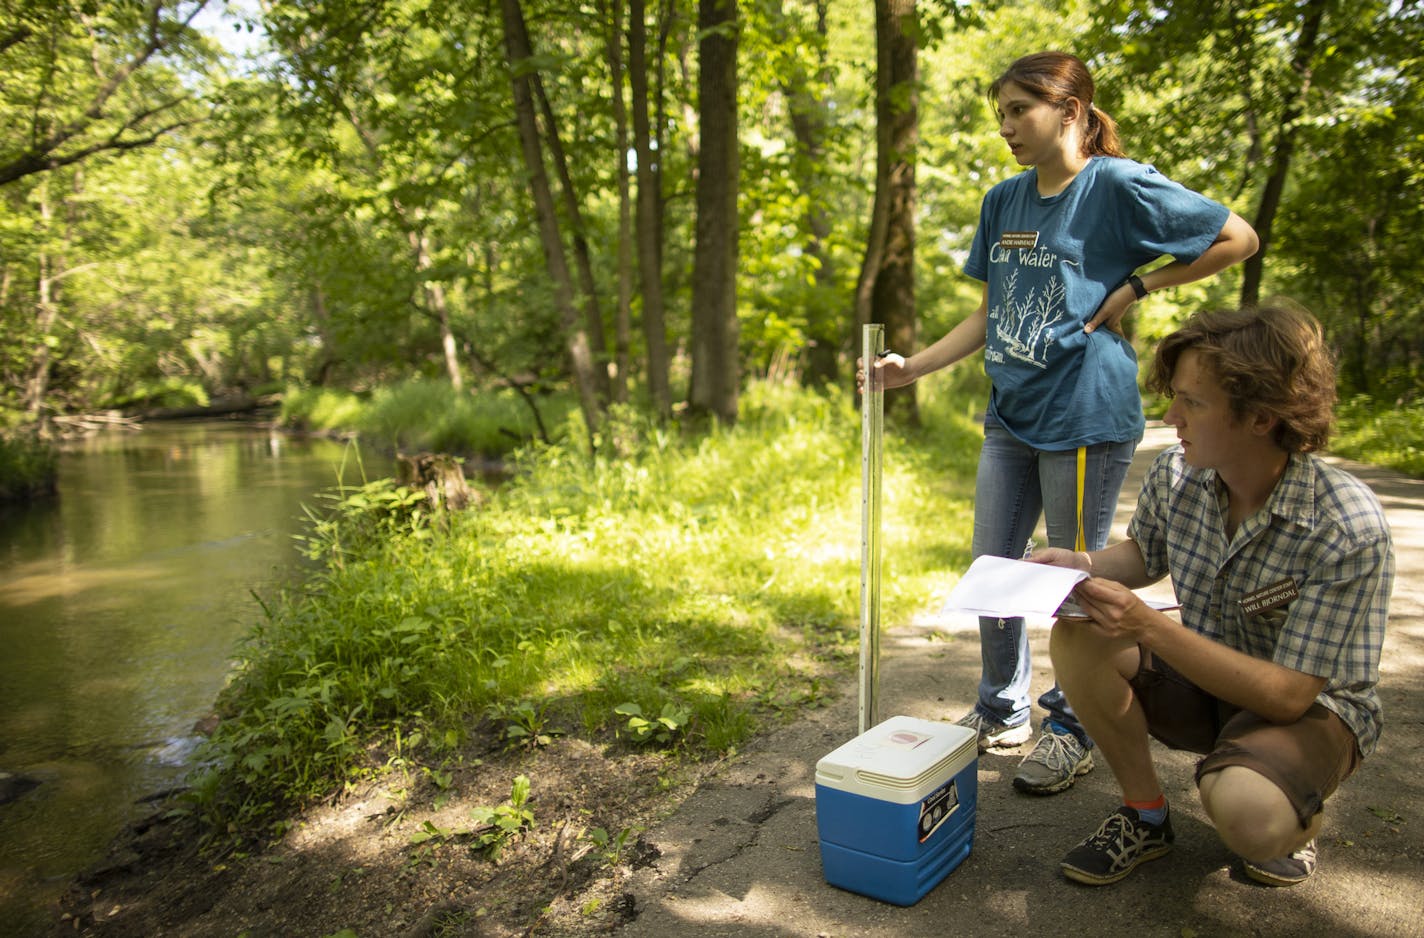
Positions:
{"x": 1283, "y": 567}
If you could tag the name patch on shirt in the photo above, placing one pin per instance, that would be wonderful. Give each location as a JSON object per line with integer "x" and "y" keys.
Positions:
{"x": 1022, "y": 240}
{"x": 1269, "y": 597}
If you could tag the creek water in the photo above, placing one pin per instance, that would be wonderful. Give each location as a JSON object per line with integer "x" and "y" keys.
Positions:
{"x": 121, "y": 604}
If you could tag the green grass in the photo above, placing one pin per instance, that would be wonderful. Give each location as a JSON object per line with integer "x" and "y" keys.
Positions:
{"x": 677, "y": 591}
{"x": 1384, "y": 435}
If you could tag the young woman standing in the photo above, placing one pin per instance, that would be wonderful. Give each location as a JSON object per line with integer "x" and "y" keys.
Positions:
{"x": 1057, "y": 248}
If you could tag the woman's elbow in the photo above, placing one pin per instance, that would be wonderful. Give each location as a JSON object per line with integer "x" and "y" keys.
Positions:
{"x": 1242, "y": 237}
{"x": 1239, "y": 236}
{"x": 1250, "y": 244}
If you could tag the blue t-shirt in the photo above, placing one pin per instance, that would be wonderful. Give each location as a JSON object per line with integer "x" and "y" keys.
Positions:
{"x": 1049, "y": 263}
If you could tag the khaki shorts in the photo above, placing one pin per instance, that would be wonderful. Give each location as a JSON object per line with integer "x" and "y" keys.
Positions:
{"x": 1307, "y": 759}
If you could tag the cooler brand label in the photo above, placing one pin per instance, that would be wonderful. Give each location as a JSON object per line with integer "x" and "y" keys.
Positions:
{"x": 1018, "y": 240}
{"x": 937, "y": 808}
{"x": 1269, "y": 597}
{"x": 907, "y": 739}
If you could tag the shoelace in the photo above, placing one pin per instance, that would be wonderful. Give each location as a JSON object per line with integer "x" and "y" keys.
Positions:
{"x": 1111, "y": 832}
{"x": 1057, "y": 756}
{"x": 1118, "y": 837}
{"x": 979, "y": 724}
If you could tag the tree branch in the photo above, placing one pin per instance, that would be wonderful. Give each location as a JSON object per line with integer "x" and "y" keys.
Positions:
{"x": 35, "y": 162}
{"x": 15, "y": 36}
{"x": 41, "y": 154}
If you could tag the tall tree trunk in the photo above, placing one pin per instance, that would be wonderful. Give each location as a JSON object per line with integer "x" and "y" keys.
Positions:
{"x": 321, "y": 321}
{"x": 1358, "y": 351}
{"x": 622, "y": 314}
{"x": 583, "y": 263}
{"x": 435, "y": 300}
{"x": 874, "y": 252}
{"x": 46, "y": 312}
{"x": 808, "y": 113}
{"x": 518, "y": 52}
{"x": 1303, "y": 67}
{"x": 886, "y": 290}
{"x": 648, "y": 215}
{"x": 715, "y": 374}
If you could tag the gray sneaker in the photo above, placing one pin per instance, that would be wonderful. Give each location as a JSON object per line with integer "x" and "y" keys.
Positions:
{"x": 995, "y": 735}
{"x": 1054, "y": 764}
{"x": 1295, "y": 867}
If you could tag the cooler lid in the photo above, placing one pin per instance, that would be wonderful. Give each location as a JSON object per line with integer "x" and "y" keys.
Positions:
{"x": 902, "y": 754}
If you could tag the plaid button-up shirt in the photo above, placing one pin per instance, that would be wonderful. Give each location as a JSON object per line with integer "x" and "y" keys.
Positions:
{"x": 1305, "y": 582}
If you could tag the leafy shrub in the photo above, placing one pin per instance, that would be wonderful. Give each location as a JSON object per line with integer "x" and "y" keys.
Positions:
{"x": 422, "y": 415}
{"x": 501, "y": 825}
{"x": 1383, "y": 434}
{"x": 320, "y": 409}
{"x": 174, "y": 392}
{"x": 28, "y": 466}
{"x": 663, "y": 730}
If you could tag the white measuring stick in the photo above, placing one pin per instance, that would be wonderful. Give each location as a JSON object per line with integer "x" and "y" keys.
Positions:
{"x": 872, "y": 433}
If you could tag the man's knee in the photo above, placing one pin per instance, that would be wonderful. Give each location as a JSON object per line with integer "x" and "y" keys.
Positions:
{"x": 1073, "y": 640}
{"x": 1253, "y": 816}
{"x": 1075, "y": 645}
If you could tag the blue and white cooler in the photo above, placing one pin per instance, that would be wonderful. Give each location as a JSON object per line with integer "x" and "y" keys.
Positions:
{"x": 895, "y": 808}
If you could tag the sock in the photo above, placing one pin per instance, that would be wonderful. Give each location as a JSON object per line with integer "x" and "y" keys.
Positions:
{"x": 1150, "y": 812}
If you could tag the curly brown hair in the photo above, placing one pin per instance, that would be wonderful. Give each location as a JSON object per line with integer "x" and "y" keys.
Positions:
{"x": 1271, "y": 361}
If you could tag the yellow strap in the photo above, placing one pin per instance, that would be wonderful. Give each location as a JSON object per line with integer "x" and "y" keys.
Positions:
{"x": 1082, "y": 543}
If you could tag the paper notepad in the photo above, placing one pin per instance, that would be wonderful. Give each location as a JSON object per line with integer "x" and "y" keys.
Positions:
{"x": 999, "y": 586}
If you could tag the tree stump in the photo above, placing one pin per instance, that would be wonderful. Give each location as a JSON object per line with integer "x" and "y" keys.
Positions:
{"x": 440, "y": 475}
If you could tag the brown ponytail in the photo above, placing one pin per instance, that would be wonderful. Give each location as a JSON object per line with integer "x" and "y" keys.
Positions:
{"x": 1056, "y": 77}
{"x": 1101, "y": 138}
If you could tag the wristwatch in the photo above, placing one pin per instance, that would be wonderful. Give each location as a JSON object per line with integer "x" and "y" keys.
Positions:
{"x": 1138, "y": 287}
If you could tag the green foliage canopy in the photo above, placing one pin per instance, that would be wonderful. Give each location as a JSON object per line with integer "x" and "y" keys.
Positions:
{"x": 350, "y": 208}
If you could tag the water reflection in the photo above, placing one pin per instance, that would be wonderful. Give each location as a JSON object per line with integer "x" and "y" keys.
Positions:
{"x": 120, "y": 603}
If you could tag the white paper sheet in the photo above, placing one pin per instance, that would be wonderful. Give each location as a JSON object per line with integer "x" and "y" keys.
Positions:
{"x": 999, "y": 586}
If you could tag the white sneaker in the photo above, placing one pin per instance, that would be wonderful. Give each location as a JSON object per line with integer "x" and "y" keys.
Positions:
{"x": 995, "y": 735}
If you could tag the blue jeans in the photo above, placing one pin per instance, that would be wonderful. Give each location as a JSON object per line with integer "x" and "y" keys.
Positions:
{"x": 1016, "y": 484}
